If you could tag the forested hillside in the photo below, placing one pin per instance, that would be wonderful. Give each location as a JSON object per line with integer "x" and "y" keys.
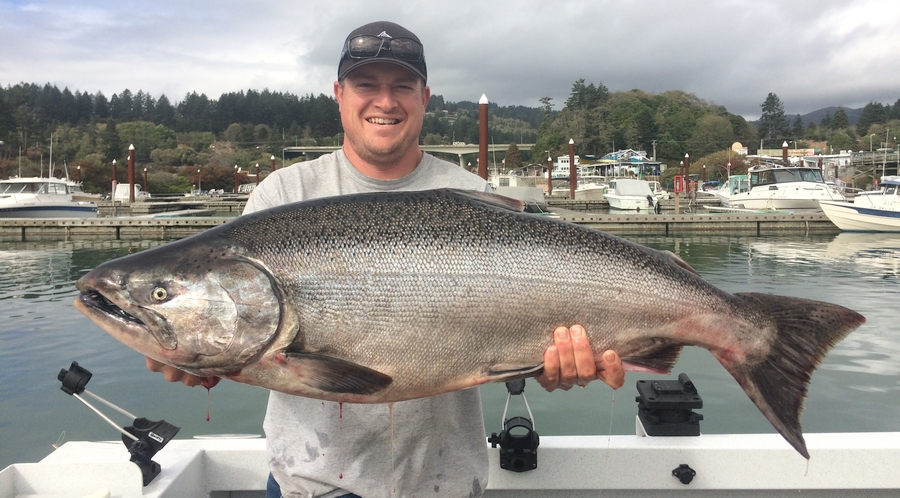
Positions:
{"x": 200, "y": 136}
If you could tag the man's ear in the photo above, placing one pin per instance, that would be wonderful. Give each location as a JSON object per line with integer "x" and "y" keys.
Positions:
{"x": 426, "y": 96}
{"x": 338, "y": 93}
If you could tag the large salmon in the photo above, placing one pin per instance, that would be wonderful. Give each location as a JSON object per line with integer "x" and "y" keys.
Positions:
{"x": 391, "y": 296}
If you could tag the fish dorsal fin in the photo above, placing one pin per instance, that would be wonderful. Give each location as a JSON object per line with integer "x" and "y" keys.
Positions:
{"x": 679, "y": 262}
{"x": 496, "y": 200}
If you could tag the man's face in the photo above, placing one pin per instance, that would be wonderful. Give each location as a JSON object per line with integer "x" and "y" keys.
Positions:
{"x": 382, "y": 108}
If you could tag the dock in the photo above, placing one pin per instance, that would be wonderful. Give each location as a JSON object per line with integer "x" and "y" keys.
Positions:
{"x": 139, "y": 228}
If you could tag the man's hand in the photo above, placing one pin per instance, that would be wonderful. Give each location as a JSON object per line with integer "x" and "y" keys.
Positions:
{"x": 172, "y": 374}
{"x": 570, "y": 362}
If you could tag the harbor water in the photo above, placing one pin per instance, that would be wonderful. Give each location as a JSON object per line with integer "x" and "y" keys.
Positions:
{"x": 856, "y": 389}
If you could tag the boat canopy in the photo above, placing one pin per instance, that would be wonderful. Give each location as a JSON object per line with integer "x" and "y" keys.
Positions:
{"x": 633, "y": 187}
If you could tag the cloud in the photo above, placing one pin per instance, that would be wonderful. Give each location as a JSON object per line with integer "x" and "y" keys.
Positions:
{"x": 812, "y": 54}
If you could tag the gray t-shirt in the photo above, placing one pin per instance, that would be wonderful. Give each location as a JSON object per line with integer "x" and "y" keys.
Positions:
{"x": 434, "y": 447}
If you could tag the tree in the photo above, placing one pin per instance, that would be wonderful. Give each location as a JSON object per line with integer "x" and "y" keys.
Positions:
{"x": 513, "y": 157}
{"x": 872, "y": 113}
{"x": 840, "y": 120}
{"x": 797, "y": 127}
{"x": 772, "y": 123}
{"x": 164, "y": 113}
{"x": 587, "y": 96}
{"x": 547, "y": 108}
{"x": 841, "y": 141}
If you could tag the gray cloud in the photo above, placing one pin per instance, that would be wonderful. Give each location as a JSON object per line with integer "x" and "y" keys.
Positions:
{"x": 811, "y": 53}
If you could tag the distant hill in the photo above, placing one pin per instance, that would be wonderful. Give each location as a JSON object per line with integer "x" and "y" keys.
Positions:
{"x": 816, "y": 116}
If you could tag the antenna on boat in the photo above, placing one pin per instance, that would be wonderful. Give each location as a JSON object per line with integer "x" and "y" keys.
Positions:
{"x": 144, "y": 438}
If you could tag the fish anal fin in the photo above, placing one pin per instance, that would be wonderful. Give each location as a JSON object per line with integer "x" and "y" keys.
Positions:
{"x": 505, "y": 372}
{"x": 652, "y": 355}
{"x": 777, "y": 383}
{"x": 335, "y": 375}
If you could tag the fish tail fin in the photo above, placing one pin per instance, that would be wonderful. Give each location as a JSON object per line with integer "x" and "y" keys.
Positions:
{"x": 777, "y": 383}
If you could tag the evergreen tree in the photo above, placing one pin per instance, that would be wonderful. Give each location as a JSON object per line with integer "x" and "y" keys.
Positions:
{"x": 164, "y": 113}
{"x": 797, "y": 127}
{"x": 772, "y": 123}
{"x": 840, "y": 120}
{"x": 827, "y": 121}
{"x": 101, "y": 106}
{"x": 513, "y": 157}
{"x": 872, "y": 113}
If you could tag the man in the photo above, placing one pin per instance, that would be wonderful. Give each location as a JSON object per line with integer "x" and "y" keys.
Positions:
{"x": 433, "y": 446}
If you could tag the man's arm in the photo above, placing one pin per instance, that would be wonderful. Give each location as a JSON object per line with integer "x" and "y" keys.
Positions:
{"x": 570, "y": 361}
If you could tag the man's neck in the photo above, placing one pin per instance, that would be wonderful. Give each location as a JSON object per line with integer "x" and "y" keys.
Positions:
{"x": 392, "y": 170}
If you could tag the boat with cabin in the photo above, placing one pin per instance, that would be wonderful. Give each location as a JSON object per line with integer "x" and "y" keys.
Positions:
{"x": 630, "y": 195}
{"x": 41, "y": 198}
{"x": 780, "y": 187}
{"x": 877, "y": 211}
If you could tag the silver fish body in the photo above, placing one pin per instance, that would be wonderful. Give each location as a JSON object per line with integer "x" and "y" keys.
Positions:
{"x": 392, "y": 296}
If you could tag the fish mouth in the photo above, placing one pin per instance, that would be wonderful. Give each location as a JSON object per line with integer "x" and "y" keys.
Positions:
{"x": 98, "y": 302}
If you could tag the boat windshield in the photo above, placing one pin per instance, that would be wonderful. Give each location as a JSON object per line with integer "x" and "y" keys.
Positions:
{"x": 786, "y": 175}
{"x": 32, "y": 188}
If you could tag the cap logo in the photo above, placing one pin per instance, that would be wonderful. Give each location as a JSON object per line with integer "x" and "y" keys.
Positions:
{"x": 384, "y": 34}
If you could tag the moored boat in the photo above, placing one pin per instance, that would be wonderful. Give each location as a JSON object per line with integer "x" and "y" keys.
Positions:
{"x": 773, "y": 186}
{"x": 630, "y": 195}
{"x": 872, "y": 212}
{"x": 41, "y": 198}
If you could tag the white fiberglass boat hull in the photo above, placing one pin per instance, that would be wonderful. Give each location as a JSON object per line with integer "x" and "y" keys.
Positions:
{"x": 853, "y": 217}
{"x": 849, "y": 464}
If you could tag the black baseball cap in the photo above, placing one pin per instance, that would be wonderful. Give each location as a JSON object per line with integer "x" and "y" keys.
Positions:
{"x": 383, "y": 41}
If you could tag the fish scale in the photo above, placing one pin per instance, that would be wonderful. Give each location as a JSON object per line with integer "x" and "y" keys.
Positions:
{"x": 383, "y": 297}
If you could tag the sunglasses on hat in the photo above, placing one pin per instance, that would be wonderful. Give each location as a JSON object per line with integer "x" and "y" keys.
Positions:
{"x": 368, "y": 46}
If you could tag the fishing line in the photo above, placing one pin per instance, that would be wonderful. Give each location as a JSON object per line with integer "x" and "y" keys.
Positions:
{"x": 612, "y": 410}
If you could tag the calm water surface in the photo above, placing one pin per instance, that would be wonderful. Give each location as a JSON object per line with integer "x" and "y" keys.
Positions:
{"x": 857, "y": 388}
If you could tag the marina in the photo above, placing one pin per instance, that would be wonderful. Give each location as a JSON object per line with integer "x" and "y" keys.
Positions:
{"x": 172, "y": 220}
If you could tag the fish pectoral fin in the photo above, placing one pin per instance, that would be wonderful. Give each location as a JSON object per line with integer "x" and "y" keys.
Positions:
{"x": 505, "y": 372}
{"x": 335, "y": 375}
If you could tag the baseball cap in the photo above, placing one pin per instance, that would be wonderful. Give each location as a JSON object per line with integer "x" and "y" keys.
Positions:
{"x": 383, "y": 41}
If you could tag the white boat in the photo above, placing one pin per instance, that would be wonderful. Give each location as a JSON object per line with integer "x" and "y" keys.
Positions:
{"x": 78, "y": 193}
{"x": 735, "y": 184}
{"x": 841, "y": 464}
{"x": 783, "y": 187}
{"x": 123, "y": 193}
{"x": 657, "y": 190}
{"x": 630, "y": 195}
{"x": 41, "y": 198}
{"x": 591, "y": 187}
{"x": 872, "y": 212}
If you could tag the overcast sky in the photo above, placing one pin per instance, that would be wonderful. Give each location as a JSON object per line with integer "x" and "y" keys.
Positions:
{"x": 811, "y": 53}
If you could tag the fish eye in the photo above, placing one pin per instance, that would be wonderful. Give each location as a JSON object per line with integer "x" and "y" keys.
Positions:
{"x": 159, "y": 294}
